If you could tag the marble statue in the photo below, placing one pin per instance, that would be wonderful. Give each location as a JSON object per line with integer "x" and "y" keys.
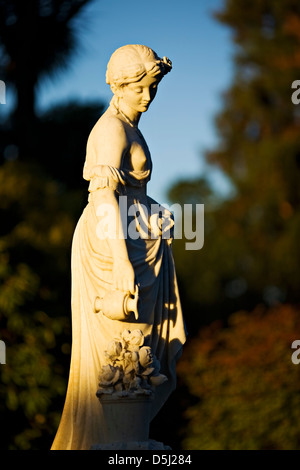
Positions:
{"x": 123, "y": 282}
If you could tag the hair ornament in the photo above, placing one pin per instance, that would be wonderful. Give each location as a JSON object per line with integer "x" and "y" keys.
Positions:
{"x": 167, "y": 64}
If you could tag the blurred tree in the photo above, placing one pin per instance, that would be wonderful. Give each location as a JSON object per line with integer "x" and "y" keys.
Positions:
{"x": 239, "y": 368}
{"x": 36, "y": 229}
{"x": 63, "y": 133}
{"x": 37, "y": 38}
{"x": 245, "y": 383}
{"x": 251, "y": 252}
{"x": 42, "y": 195}
{"x": 39, "y": 207}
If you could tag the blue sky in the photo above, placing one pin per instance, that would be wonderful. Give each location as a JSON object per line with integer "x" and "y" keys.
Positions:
{"x": 178, "y": 126}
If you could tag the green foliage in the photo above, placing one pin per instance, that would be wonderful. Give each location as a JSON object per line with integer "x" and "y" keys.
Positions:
{"x": 35, "y": 242}
{"x": 251, "y": 251}
{"x": 239, "y": 370}
{"x": 37, "y": 40}
{"x": 40, "y": 204}
{"x": 41, "y": 197}
{"x": 38, "y": 33}
{"x": 63, "y": 133}
{"x": 246, "y": 385}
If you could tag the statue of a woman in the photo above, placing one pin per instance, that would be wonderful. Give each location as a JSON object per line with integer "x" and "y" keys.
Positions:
{"x": 118, "y": 163}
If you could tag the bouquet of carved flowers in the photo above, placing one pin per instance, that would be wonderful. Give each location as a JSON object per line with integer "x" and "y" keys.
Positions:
{"x": 130, "y": 367}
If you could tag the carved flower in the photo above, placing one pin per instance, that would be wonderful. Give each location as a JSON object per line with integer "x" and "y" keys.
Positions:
{"x": 158, "y": 380}
{"x": 126, "y": 335}
{"x": 146, "y": 357}
{"x": 156, "y": 366}
{"x": 134, "y": 339}
{"x": 114, "y": 349}
{"x": 109, "y": 376}
{"x": 130, "y": 367}
{"x": 167, "y": 61}
{"x": 137, "y": 339}
{"x": 135, "y": 383}
{"x": 131, "y": 362}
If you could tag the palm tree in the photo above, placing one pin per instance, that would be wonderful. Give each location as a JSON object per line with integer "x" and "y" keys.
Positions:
{"x": 37, "y": 38}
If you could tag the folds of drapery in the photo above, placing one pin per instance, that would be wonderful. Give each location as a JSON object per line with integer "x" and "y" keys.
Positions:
{"x": 103, "y": 176}
{"x": 160, "y": 315}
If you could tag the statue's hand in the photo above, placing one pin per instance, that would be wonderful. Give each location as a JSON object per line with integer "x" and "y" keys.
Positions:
{"x": 123, "y": 276}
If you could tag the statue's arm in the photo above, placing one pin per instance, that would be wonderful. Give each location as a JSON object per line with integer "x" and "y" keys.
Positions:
{"x": 110, "y": 144}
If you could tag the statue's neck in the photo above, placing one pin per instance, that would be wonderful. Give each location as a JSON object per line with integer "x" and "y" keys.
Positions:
{"x": 131, "y": 114}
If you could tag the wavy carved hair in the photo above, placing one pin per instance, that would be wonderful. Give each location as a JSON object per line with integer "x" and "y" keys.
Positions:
{"x": 131, "y": 63}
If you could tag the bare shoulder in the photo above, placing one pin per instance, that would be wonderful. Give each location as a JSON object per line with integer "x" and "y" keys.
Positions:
{"x": 108, "y": 139}
{"x": 109, "y": 126}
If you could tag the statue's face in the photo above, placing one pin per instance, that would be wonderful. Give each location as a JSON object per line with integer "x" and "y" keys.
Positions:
{"x": 139, "y": 95}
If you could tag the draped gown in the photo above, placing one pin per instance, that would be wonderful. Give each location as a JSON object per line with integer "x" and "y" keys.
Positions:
{"x": 160, "y": 315}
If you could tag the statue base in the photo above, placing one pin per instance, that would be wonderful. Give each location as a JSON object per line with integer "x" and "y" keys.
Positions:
{"x": 132, "y": 445}
{"x": 126, "y": 423}
{"x": 125, "y": 419}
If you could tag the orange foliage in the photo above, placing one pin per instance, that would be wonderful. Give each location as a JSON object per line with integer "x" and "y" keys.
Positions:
{"x": 246, "y": 383}
{"x": 291, "y": 26}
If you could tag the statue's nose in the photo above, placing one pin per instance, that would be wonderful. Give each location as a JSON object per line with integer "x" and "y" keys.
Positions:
{"x": 146, "y": 94}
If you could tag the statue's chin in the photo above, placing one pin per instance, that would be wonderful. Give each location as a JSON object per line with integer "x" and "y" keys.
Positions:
{"x": 144, "y": 107}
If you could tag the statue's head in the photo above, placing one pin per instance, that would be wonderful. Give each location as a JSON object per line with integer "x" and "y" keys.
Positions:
{"x": 135, "y": 67}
